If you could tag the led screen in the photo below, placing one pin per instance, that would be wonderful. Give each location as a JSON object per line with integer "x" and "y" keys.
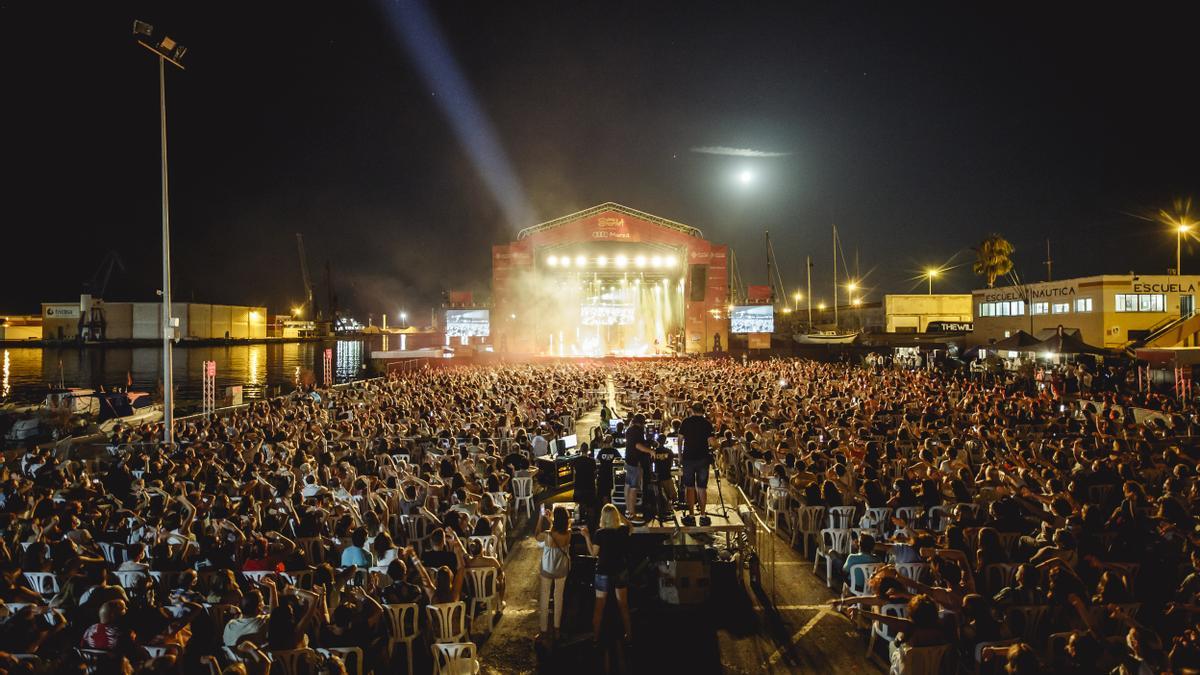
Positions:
{"x": 606, "y": 315}
{"x": 752, "y": 319}
{"x": 467, "y": 323}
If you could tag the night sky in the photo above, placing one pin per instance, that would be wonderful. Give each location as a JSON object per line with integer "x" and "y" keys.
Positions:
{"x": 917, "y": 128}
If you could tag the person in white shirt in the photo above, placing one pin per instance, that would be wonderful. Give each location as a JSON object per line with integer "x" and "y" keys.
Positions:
{"x": 541, "y": 446}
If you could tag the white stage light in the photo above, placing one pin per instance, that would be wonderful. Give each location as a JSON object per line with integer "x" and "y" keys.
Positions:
{"x": 602, "y": 261}
{"x": 640, "y": 261}
{"x": 580, "y": 261}
{"x": 552, "y": 260}
{"x": 622, "y": 261}
{"x": 656, "y": 261}
{"x": 565, "y": 261}
{"x": 671, "y": 261}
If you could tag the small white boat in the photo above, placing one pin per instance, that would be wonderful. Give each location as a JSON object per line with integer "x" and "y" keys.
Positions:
{"x": 825, "y": 338}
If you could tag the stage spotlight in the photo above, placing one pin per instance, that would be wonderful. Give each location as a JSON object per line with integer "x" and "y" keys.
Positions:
{"x": 552, "y": 260}
{"x": 565, "y": 261}
{"x": 602, "y": 261}
{"x": 640, "y": 261}
{"x": 671, "y": 261}
{"x": 656, "y": 261}
{"x": 580, "y": 261}
{"x": 622, "y": 261}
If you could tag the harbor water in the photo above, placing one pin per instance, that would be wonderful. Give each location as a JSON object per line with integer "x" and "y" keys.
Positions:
{"x": 262, "y": 370}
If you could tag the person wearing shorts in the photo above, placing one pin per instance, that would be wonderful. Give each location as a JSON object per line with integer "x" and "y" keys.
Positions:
{"x": 610, "y": 545}
{"x": 696, "y": 431}
{"x": 637, "y": 449}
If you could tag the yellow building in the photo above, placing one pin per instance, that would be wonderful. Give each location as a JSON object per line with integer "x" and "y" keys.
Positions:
{"x": 913, "y": 313}
{"x": 143, "y": 320}
{"x": 1110, "y": 310}
{"x": 20, "y": 328}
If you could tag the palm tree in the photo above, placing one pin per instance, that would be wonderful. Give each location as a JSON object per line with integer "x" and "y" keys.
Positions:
{"x": 993, "y": 258}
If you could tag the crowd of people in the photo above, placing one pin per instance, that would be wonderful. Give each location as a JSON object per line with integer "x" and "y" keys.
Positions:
{"x": 300, "y": 528}
{"x": 1017, "y": 527}
{"x": 1013, "y": 526}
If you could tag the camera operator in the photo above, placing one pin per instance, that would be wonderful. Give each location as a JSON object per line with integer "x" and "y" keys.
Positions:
{"x": 637, "y": 457}
{"x": 663, "y": 463}
{"x": 696, "y": 458}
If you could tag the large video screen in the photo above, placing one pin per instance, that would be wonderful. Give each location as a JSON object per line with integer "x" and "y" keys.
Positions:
{"x": 752, "y": 319}
{"x": 468, "y": 323}
{"x": 606, "y": 315}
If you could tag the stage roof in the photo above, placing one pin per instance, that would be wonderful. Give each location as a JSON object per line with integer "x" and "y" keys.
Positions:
{"x": 610, "y": 206}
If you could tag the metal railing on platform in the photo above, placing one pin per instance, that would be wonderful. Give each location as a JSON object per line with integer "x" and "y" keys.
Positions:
{"x": 761, "y": 535}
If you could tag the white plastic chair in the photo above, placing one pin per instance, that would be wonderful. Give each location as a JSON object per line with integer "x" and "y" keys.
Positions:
{"x": 1035, "y": 617}
{"x": 841, "y": 517}
{"x": 808, "y": 524}
{"x": 115, "y": 554}
{"x": 924, "y": 660}
{"x": 403, "y": 627}
{"x": 875, "y": 519}
{"x": 523, "y": 494}
{"x": 289, "y": 660}
{"x": 939, "y": 518}
{"x": 166, "y": 580}
{"x": 881, "y": 630}
{"x": 45, "y": 583}
{"x": 447, "y": 621}
{"x": 256, "y": 575}
{"x": 998, "y": 576}
{"x": 488, "y": 542}
{"x": 911, "y": 515}
{"x": 917, "y": 571}
{"x": 829, "y": 542}
{"x": 314, "y": 549}
{"x": 129, "y": 579}
{"x": 857, "y": 577}
{"x": 300, "y": 578}
{"x": 456, "y": 658}
{"x": 351, "y": 656}
{"x": 483, "y": 592}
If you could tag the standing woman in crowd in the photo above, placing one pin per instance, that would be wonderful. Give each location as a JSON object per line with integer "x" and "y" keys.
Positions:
{"x": 556, "y": 563}
{"x": 611, "y": 546}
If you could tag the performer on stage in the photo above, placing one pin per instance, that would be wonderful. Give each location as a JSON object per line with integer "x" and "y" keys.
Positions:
{"x": 696, "y": 431}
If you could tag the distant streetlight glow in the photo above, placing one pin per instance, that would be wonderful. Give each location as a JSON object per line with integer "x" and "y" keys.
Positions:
{"x": 930, "y": 274}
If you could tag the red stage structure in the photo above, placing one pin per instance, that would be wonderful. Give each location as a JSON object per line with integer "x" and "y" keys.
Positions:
{"x": 610, "y": 280}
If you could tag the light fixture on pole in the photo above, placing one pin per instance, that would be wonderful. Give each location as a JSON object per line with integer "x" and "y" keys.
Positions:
{"x": 167, "y": 51}
{"x": 930, "y": 274}
{"x": 1180, "y": 230}
{"x": 796, "y": 297}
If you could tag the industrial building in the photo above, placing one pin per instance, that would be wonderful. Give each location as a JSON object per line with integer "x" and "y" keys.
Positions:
{"x": 143, "y": 321}
{"x": 913, "y": 313}
{"x": 1113, "y": 311}
{"x": 13, "y": 328}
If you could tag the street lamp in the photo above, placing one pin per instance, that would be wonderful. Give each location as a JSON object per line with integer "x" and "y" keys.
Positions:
{"x": 167, "y": 50}
{"x": 404, "y": 319}
{"x": 1180, "y": 230}
{"x": 931, "y": 273}
{"x": 796, "y": 297}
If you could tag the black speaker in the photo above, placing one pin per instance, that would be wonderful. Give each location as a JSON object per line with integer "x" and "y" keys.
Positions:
{"x": 699, "y": 274}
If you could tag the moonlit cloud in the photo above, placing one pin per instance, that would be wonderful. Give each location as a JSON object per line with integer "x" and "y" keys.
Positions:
{"x": 737, "y": 152}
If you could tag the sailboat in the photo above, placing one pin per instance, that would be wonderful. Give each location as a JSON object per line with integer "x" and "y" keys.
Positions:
{"x": 828, "y": 337}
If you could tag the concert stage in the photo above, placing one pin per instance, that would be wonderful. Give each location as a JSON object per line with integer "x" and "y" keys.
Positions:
{"x": 610, "y": 281}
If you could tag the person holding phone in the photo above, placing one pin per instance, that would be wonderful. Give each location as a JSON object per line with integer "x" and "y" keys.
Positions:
{"x": 556, "y": 564}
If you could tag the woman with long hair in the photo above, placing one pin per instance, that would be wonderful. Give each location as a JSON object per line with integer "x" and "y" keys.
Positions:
{"x": 611, "y": 547}
{"x": 556, "y": 563}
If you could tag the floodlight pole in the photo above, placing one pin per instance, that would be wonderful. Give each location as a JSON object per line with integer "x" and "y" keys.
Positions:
{"x": 167, "y": 328}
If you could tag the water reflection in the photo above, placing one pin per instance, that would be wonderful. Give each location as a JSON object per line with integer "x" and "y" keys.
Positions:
{"x": 262, "y": 370}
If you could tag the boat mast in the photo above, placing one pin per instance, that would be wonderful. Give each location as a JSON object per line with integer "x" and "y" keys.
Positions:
{"x": 835, "y": 308}
{"x": 808, "y": 294}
